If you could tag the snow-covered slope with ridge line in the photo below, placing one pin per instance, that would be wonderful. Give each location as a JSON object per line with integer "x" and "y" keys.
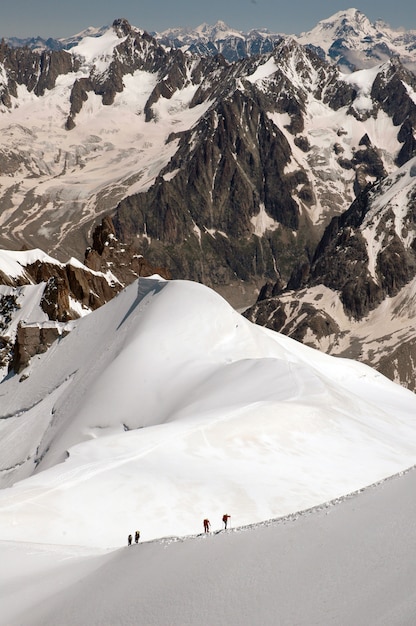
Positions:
{"x": 171, "y": 404}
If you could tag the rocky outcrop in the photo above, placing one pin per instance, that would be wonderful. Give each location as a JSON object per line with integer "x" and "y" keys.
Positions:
{"x": 31, "y": 340}
{"x": 70, "y": 290}
{"x": 107, "y": 253}
{"x": 68, "y": 284}
{"x": 341, "y": 260}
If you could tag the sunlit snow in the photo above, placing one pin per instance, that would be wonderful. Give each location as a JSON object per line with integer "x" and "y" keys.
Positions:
{"x": 178, "y": 407}
{"x": 172, "y": 408}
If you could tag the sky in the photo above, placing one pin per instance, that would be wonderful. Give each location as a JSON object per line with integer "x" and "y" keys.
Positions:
{"x": 48, "y": 18}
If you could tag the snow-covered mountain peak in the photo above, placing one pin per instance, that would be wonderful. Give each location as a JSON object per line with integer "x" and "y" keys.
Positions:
{"x": 203, "y": 33}
{"x": 98, "y": 50}
{"x": 220, "y": 26}
{"x": 352, "y": 41}
{"x": 350, "y": 22}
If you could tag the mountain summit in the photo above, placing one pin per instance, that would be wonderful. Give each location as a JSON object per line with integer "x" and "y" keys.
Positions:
{"x": 349, "y": 39}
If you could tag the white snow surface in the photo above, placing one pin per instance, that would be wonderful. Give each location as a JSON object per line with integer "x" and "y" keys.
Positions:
{"x": 174, "y": 406}
{"x": 171, "y": 407}
{"x": 346, "y": 563}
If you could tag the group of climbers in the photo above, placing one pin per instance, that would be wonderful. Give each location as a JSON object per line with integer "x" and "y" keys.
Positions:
{"x": 207, "y": 526}
{"x": 207, "y": 523}
{"x": 136, "y": 537}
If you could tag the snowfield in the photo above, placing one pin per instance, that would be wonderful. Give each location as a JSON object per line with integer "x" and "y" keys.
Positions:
{"x": 166, "y": 406}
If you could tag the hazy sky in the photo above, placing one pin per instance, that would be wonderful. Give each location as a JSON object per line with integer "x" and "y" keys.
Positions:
{"x": 23, "y": 18}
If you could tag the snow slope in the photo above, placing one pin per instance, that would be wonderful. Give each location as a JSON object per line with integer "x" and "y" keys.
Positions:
{"x": 348, "y": 563}
{"x": 172, "y": 408}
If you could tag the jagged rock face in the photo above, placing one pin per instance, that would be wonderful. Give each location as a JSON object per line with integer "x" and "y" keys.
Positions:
{"x": 356, "y": 298}
{"x": 37, "y": 71}
{"x": 238, "y": 167}
{"x": 210, "y": 234}
{"x": 123, "y": 260}
{"x": 109, "y": 266}
{"x": 389, "y": 89}
{"x": 67, "y": 282}
{"x": 8, "y": 307}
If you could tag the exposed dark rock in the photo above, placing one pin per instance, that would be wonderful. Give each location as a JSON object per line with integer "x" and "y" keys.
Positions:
{"x": 37, "y": 71}
{"x": 32, "y": 340}
{"x": 366, "y": 257}
{"x": 228, "y": 176}
{"x": 389, "y": 89}
{"x": 123, "y": 260}
{"x": 395, "y": 266}
{"x": 399, "y": 364}
{"x": 309, "y": 323}
{"x": 302, "y": 143}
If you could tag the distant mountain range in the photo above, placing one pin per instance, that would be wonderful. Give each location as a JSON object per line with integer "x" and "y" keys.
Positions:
{"x": 234, "y": 174}
{"x": 348, "y": 38}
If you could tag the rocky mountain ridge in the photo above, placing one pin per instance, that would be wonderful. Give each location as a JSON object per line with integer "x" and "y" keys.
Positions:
{"x": 356, "y": 298}
{"x": 346, "y": 38}
{"x": 226, "y": 173}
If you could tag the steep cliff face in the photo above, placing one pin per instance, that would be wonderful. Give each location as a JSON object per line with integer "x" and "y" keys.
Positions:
{"x": 109, "y": 254}
{"x": 201, "y": 221}
{"x": 30, "y": 341}
{"x": 36, "y": 71}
